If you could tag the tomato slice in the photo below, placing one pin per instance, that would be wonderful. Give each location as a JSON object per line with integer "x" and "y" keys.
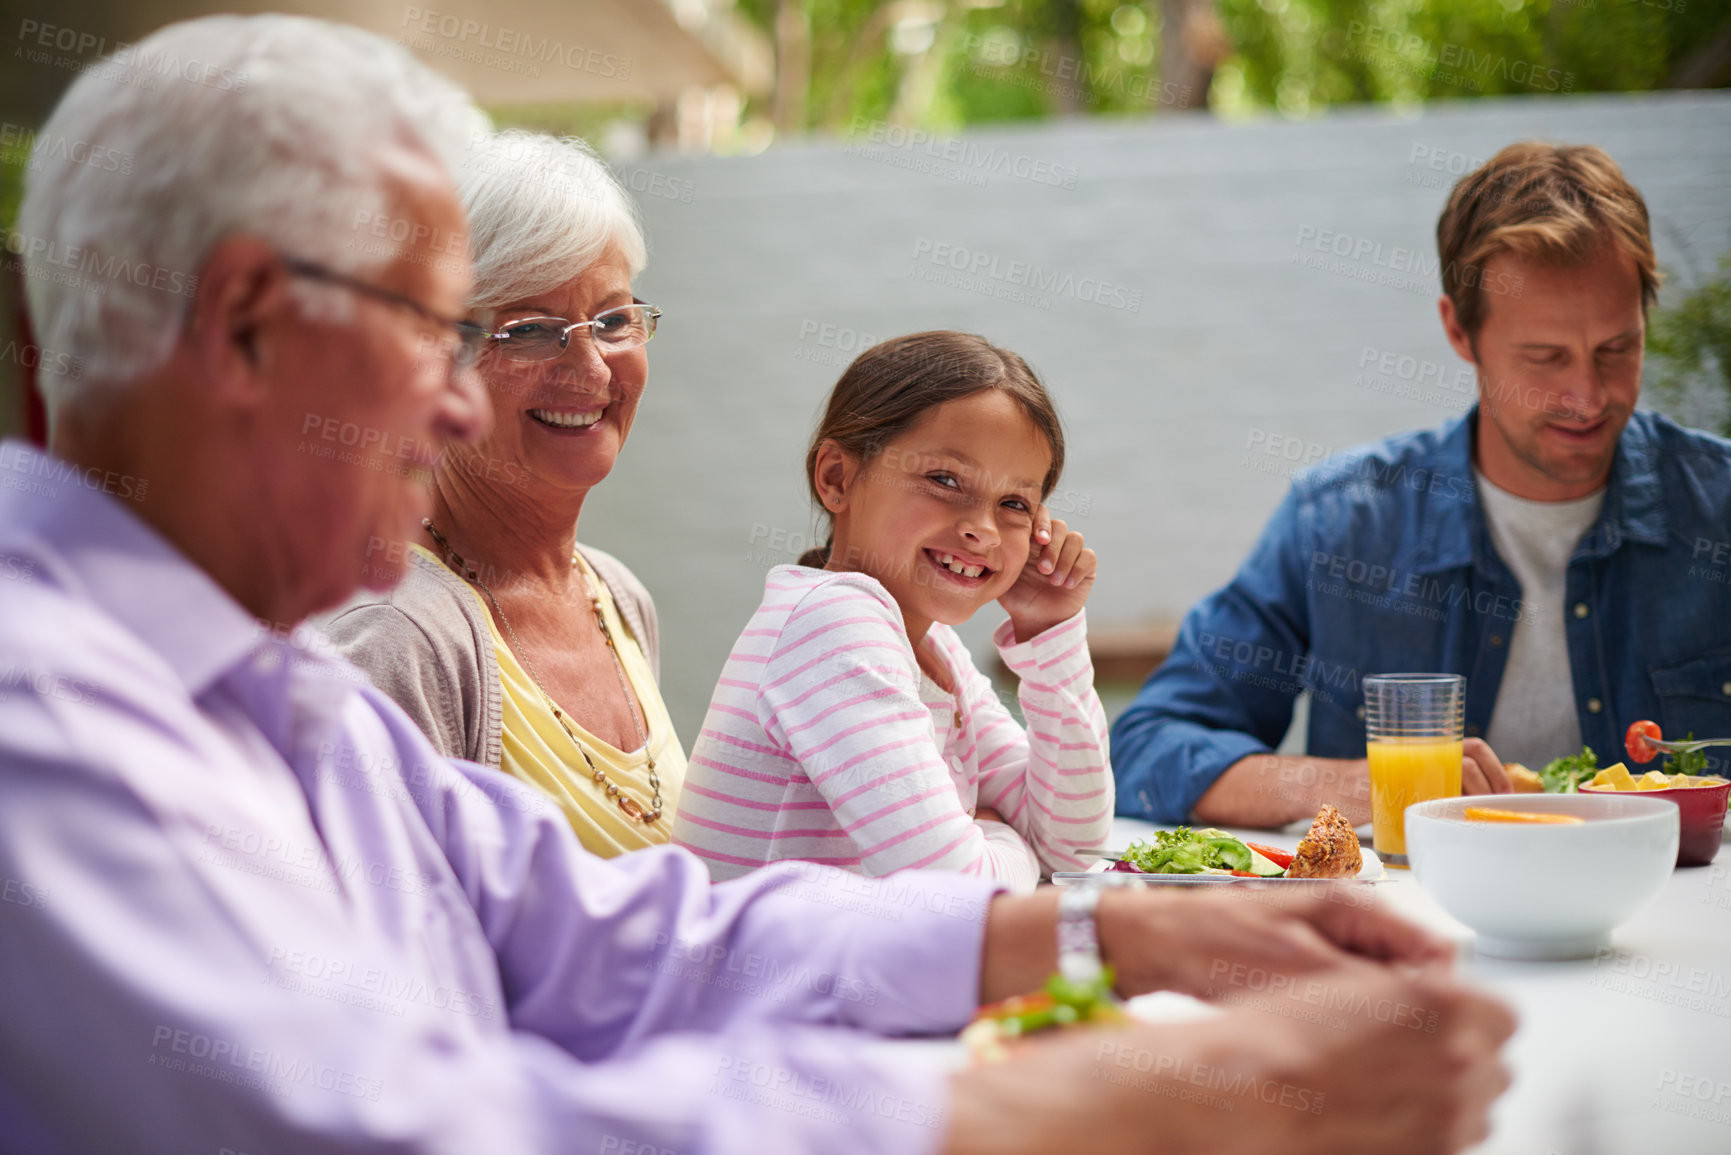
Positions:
{"x": 1637, "y": 740}
{"x": 1280, "y": 858}
{"x": 1016, "y": 1006}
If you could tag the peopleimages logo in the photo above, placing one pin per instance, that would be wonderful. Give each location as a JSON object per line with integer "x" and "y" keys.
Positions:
{"x": 228, "y": 1061}
{"x": 40, "y": 474}
{"x": 1174, "y": 1077}
{"x": 122, "y": 62}
{"x": 1451, "y": 63}
{"x": 47, "y": 362}
{"x": 992, "y": 275}
{"x": 508, "y": 49}
{"x": 1060, "y": 74}
{"x": 45, "y": 257}
{"x": 1426, "y": 271}
{"x": 721, "y": 965}
{"x": 879, "y": 140}
{"x": 828, "y": 1099}
{"x": 50, "y": 146}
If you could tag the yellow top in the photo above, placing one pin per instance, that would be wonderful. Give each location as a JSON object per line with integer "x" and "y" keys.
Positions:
{"x": 537, "y": 749}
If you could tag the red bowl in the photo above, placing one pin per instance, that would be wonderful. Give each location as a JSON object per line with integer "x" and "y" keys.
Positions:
{"x": 1703, "y": 817}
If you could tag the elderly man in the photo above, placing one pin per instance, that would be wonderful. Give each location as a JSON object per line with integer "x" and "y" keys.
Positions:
{"x": 249, "y": 908}
{"x": 1547, "y": 545}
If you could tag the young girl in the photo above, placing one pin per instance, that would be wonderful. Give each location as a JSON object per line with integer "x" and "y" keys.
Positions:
{"x": 850, "y": 725}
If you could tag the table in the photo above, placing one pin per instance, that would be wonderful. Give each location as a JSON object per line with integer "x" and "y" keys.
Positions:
{"x": 1628, "y": 1053}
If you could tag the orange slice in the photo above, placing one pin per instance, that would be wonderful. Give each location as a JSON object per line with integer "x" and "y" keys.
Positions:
{"x": 1491, "y": 814}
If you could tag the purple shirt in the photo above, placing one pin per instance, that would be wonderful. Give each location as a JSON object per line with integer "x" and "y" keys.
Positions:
{"x": 246, "y": 906}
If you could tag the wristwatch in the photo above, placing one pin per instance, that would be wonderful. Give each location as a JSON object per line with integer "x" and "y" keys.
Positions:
{"x": 1078, "y": 931}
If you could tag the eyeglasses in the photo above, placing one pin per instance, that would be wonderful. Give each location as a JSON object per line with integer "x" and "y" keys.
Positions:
{"x": 544, "y": 338}
{"x": 469, "y": 338}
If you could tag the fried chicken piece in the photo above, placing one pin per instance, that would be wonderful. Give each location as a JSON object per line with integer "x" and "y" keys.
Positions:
{"x": 1523, "y": 781}
{"x": 1330, "y": 850}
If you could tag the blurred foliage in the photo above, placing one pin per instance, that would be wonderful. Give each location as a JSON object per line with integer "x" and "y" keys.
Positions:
{"x": 1023, "y": 59}
{"x": 1013, "y": 60}
{"x": 13, "y": 157}
{"x": 1690, "y": 345}
{"x": 1296, "y": 55}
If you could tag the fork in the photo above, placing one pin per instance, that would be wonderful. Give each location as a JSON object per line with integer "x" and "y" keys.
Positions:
{"x": 1670, "y": 746}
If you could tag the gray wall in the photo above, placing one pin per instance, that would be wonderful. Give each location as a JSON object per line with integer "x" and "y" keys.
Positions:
{"x": 1188, "y": 387}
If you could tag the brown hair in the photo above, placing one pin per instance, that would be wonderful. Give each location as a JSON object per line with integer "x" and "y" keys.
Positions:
{"x": 891, "y": 386}
{"x": 1555, "y": 202}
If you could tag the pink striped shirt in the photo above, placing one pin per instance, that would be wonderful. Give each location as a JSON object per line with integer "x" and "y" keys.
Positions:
{"x": 825, "y": 742}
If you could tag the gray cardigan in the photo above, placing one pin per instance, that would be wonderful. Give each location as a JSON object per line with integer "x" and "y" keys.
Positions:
{"x": 426, "y": 644}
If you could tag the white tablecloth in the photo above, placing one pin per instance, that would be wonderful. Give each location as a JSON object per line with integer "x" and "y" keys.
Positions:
{"x": 1625, "y": 1054}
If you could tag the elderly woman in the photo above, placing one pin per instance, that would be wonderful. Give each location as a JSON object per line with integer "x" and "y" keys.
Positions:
{"x": 507, "y": 641}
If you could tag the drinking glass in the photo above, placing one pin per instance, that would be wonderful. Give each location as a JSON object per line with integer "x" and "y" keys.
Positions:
{"x": 1413, "y": 731}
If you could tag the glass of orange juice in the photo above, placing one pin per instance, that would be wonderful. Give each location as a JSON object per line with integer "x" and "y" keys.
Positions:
{"x": 1413, "y": 731}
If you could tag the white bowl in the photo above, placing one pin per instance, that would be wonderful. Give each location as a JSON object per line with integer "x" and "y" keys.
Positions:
{"x": 1542, "y": 890}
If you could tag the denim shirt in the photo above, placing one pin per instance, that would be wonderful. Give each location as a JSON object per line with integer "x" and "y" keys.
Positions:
{"x": 1380, "y": 561}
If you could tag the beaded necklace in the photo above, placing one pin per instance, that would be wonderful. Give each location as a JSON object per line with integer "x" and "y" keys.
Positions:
{"x": 628, "y": 804}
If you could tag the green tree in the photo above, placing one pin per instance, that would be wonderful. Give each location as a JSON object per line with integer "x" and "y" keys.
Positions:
{"x": 941, "y": 64}
{"x": 1689, "y": 345}
{"x": 1013, "y": 60}
{"x": 13, "y": 158}
{"x": 1300, "y": 55}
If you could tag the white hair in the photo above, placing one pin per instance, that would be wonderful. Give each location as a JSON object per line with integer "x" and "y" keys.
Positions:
{"x": 541, "y": 210}
{"x": 279, "y": 127}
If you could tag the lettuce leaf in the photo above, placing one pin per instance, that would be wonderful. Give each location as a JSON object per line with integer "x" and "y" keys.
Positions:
{"x": 1692, "y": 762}
{"x": 1184, "y": 851}
{"x": 1565, "y": 775}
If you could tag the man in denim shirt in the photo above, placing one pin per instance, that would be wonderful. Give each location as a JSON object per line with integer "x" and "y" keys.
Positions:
{"x": 1568, "y": 555}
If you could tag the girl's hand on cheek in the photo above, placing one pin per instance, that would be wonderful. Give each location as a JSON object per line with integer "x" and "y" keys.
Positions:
{"x": 1055, "y": 583}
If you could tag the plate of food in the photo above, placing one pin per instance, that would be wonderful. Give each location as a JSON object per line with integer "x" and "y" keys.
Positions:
{"x": 997, "y": 1030}
{"x": 1186, "y": 857}
{"x": 1644, "y": 742}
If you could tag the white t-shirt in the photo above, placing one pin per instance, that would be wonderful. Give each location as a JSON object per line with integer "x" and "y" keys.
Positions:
{"x": 1535, "y": 718}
